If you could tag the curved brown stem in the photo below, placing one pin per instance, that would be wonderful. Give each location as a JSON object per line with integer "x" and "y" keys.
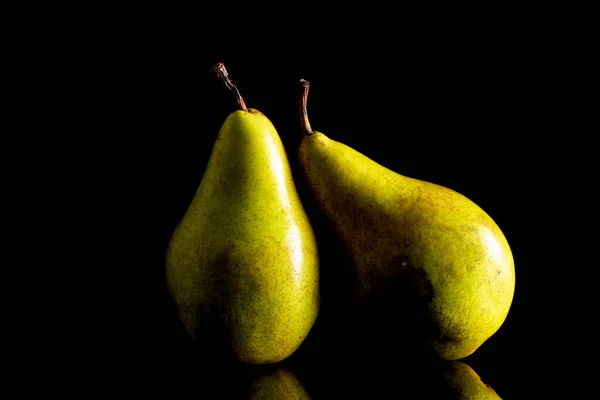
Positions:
{"x": 303, "y": 113}
{"x": 219, "y": 68}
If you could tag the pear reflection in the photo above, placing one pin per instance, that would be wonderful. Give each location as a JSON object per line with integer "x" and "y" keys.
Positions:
{"x": 275, "y": 383}
{"x": 398, "y": 378}
{"x": 246, "y": 381}
{"x": 462, "y": 382}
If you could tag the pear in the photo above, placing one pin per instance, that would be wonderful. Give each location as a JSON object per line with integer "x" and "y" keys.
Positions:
{"x": 422, "y": 256}
{"x": 242, "y": 265}
{"x": 463, "y": 383}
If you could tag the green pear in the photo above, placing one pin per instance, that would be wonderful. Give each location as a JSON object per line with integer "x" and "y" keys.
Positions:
{"x": 406, "y": 237}
{"x": 463, "y": 383}
{"x": 242, "y": 264}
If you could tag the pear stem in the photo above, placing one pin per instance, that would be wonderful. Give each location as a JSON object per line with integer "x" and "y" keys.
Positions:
{"x": 303, "y": 113}
{"x": 224, "y": 76}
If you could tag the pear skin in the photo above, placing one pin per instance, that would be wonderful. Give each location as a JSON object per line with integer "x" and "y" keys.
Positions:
{"x": 242, "y": 264}
{"x": 408, "y": 238}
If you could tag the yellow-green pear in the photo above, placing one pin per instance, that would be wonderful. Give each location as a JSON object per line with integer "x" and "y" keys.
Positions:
{"x": 408, "y": 239}
{"x": 242, "y": 264}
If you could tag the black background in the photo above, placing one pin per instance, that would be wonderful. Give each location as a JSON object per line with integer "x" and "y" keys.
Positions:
{"x": 465, "y": 104}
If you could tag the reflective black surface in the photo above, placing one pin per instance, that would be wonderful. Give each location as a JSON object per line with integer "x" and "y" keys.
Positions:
{"x": 337, "y": 360}
{"x": 327, "y": 377}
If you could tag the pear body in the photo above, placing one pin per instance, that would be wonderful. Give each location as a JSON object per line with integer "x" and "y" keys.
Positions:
{"x": 422, "y": 255}
{"x": 242, "y": 264}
